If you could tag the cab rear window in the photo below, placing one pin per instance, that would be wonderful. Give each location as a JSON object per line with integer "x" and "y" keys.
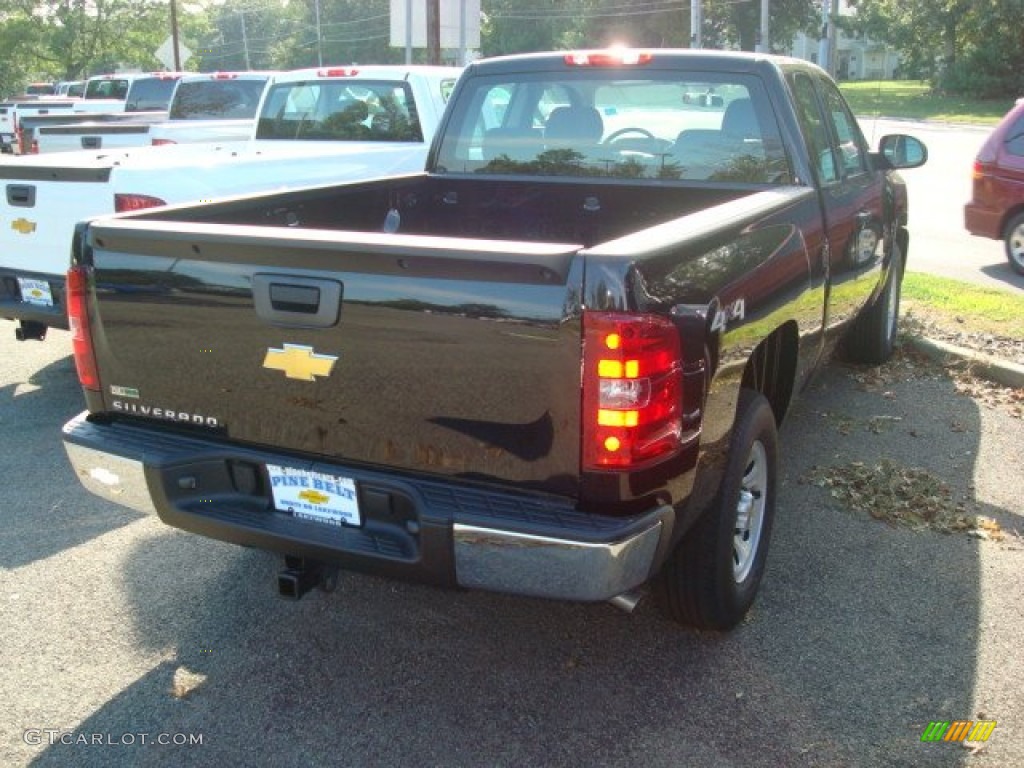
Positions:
{"x": 658, "y": 125}
{"x": 217, "y": 99}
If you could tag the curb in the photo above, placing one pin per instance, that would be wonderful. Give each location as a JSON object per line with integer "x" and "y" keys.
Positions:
{"x": 1000, "y": 371}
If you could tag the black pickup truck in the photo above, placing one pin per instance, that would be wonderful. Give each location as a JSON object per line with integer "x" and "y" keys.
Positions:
{"x": 552, "y": 364}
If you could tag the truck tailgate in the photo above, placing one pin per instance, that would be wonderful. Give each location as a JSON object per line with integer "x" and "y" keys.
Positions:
{"x": 39, "y": 205}
{"x": 452, "y": 357}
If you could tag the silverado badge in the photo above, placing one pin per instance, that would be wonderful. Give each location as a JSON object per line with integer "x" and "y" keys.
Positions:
{"x": 299, "y": 362}
{"x": 23, "y": 226}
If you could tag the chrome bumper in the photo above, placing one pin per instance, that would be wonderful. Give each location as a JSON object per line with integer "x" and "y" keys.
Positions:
{"x": 503, "y": 561}
{"x": 547, "y": 563}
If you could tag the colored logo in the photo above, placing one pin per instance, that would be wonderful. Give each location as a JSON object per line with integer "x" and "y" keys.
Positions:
{"x": 23, "y": 226}
{"x": 958, "y": 730}
{"x": 314, "y": 497}
{"x": 299, "y": 362}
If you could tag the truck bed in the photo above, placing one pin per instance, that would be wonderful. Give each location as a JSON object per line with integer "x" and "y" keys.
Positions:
{"x": 472, "y": 286}
{"x": 583, "y": 213}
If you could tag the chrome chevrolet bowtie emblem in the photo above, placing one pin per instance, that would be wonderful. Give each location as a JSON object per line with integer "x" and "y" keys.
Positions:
{"x": 299, "y": 362}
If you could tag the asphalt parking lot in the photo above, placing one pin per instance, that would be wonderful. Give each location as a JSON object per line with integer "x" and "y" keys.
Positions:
{"x": 123, "y": 642}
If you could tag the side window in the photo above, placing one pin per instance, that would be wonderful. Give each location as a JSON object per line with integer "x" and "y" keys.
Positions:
{"x": 847, "y": 132}
{"x": 1015, "y": 138}
{"x": 816, "y": 133}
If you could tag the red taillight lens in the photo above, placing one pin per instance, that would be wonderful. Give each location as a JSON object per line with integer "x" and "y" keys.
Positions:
{"x": 124, "y": 203}
{"x": 162, "y": 142}
{"x": 78, "y": 322}
{"x": 632, "y": 390}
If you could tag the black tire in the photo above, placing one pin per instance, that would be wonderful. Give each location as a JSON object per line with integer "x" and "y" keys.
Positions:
{"x": 1013, "y": 239}
{"x": 872, "y": 337}
{"x": 710, "y": 581}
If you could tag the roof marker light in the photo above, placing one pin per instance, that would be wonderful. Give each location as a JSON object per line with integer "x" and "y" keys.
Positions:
{"x": 612, "y": 57}
{"x": 337, "y": 72}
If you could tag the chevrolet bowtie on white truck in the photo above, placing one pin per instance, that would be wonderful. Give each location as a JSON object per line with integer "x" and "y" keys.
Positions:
{"x": 553, "y": 363}
{"x": 315, "y": 126}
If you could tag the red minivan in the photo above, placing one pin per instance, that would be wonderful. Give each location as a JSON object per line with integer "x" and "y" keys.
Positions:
{"x": 996, "y": 208}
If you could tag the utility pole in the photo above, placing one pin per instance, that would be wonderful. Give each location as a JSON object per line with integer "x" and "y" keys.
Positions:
{"x": 408, "y": 31}
{"x": 695, "y": 24}
{"x": 764, "y": 43}
{"x": 319, "y": 37}
{"x": 433, "y": 31}
{"x": 823, "y": 43}
{"x": 245, "y": 40}
{"x": 174, "y": 36}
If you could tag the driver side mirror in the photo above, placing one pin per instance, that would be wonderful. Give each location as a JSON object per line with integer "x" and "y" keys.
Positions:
{"x": 901, "y": 151}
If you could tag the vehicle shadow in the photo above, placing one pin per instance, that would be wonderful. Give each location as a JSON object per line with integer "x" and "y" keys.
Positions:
{"x": 39, "y": 517}
{"x": 1005, "y": 273}
{"x": 862, "y": 635}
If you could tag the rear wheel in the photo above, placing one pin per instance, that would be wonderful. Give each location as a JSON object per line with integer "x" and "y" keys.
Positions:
{"x": 872, "y": 337}
{"x": 711, "y": 579}
{"x": 1014, "y": 240}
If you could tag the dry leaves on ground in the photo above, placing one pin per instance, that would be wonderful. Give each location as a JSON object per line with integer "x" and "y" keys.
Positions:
{"x": 902, "y": 496}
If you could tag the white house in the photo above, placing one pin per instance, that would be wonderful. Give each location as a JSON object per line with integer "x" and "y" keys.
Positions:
{"x": 852, "y": 59}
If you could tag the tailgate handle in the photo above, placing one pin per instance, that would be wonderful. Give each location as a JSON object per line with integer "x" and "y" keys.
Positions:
{"x": 92, "y": 142}
{"x": 21, "y": 195}
{"x": 298, "y": 302}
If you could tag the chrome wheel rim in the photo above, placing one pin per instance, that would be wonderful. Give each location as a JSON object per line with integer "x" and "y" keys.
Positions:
{"x": 750, "y": 512}
{"x": 1015, "y": 244}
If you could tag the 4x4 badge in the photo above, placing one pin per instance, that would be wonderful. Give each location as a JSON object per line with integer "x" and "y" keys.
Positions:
{"x": 299, "y": 362}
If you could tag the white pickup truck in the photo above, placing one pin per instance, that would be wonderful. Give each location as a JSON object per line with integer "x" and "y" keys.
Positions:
{"x": 214, "y": 106}
{"x": 140, "y": 98}
{"x": 315, "y": 126}
{"x": 106, "y": 95}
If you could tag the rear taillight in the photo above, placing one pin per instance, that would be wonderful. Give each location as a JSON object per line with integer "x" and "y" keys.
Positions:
{"x": 632, "y": 390}
{"x": 977, "y": 171}
{"x": 162, "y": 142}
{"x": 78, "y": 322}
{"x": 124, "y": 203}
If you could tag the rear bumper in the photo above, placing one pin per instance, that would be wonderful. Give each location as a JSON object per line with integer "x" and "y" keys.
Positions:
{"x": 983, "y": 222}
{"x": 17, "y": 304}
{"x": 421, "y": 529}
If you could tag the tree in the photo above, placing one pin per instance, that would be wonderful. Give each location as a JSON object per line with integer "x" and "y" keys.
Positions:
{"x": 69, "y": 39}
{"x": 968, "y": 46}
{"x": 737, "y": 24}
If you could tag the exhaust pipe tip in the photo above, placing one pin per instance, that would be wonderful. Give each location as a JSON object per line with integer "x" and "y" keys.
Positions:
{"x": 628, "y": 600}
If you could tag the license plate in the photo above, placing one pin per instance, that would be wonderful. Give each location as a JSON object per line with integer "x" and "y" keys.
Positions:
{"x": 315, "y": 496}
{"x": 35, "y": 292}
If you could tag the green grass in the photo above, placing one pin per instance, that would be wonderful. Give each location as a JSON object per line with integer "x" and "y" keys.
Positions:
{"x": 964, "y": 305}
{"x": 913, "y": 99}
